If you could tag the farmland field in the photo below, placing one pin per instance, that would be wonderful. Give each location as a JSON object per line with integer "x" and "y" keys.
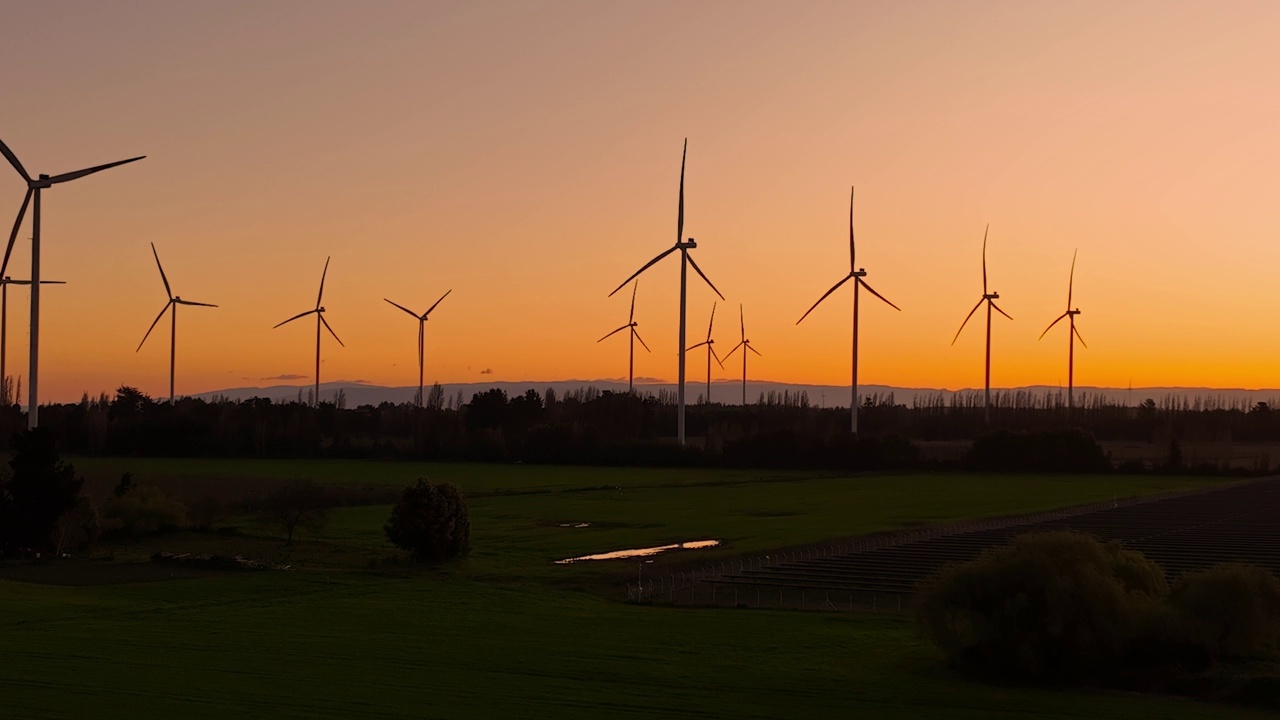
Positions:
{"x": 355, "y": 632}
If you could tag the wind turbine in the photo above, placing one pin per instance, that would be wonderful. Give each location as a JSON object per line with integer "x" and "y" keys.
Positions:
{"x": 856, "y": 274}
{"x": 170, "y": 307}
{"x": 319, "y": 313}
{"x": 684, "y": 246}
{"x": 5, "y": 282}
{"x": 34, "y": 186}
{"x": 422, "y": 329}
{"x": 989, "y": 298}
{"x": 1072, "y": 335}
{"x": 711, "y": 350}
{"x": 745, "y": 345}
{"x": 635, "y": 335}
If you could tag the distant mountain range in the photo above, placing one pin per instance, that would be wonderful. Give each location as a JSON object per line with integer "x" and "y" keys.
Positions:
{"x": 725, "y": 391}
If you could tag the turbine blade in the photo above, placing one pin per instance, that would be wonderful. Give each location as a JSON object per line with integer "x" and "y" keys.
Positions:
{"x": 322, "y": 276}
{"x": 852, "y": 263}
{"x": 636, "y": 332}
{"x": 680, "y": 218}
{"x": 295, "y": 317}
{"x": 77, "y": 174}
{"x": 873, "y": 292}
{"x": 1055, "y": 322}
{"x": 824, "y": 297}
{"x": 1071, "y": 280}
{"x": 167, "y": 291}
{"x": 742, "y": 323}
{"x": 414, "y": 314}
{"x": 192, "y": 302}
{"x": 153, "y": 324}
{"x": 50, "y": 282}
{"x": 624, "y": 327}
{"x": 735, "y": 349}
{"x": 646, "y": 267}
{"x": 997, "y": 307}
{"x": 422, "y": 325}
{"x": 713, "y": 320}
{"x": 632, "y": 317}
{"x": 966, "y": 320}
{"x": 719, "y": 362}
{"x": 13, "y": 236}
{"x": 984, "y": 258}
{"x": 331, "y": 332}
{"x": 1078, "y": 336}
{"x": 703, "y": 275}
{"x": 691, "y": 347}
{"x": 754, "y": 350}
{"x": 13, "y": 160}
{"x": 433, "y": 305}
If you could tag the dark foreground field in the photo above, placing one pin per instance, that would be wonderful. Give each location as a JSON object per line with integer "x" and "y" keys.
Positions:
{"x": 354, "y": 632}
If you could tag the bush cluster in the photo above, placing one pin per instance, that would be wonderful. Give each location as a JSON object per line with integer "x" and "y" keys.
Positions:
{"x": 430, "y": 521}
{"x": 1064, "y": 608}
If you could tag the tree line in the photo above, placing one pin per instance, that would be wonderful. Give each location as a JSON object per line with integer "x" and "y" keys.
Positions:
{"x": 588, "y": 426}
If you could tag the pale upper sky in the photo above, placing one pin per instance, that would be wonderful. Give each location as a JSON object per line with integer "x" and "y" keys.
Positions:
{"x": 526, "y": 155}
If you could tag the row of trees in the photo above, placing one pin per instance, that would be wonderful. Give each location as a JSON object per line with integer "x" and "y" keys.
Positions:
{"x": 588, "y": 426}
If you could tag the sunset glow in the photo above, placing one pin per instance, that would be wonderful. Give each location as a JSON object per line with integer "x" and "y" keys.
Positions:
{"x": 526, "y": 156}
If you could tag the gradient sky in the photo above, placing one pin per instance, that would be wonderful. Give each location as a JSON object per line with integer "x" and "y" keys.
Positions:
{"x": 527, "y": 154}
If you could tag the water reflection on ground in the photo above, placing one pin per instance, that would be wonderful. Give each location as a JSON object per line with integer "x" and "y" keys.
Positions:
{"x": 642, "y": 552}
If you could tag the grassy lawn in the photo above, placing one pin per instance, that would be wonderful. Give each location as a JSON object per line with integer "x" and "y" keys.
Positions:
{"x": 505, "y": 632}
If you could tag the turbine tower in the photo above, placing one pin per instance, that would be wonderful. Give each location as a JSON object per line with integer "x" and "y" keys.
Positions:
{"x": 422, "y": 329}
{"x": 989, "y": 298}
{"x": 635, "y": 335}
{"x": 170, "y": 307}
{"x": 711, "y": 350}
{"x": 745, "y": 344}
{"x": 5, "y": 282}
{"x": 319, "y": 313}
{"x": 684, "y": 246}
{"x": 34, "y": 186}
{"x": 1072, "y": 335}
{"x": 856, "y": 274}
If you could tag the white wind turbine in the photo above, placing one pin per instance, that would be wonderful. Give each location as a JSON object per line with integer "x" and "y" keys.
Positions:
{"x": 745, "y": 344}
{"x": 635, "y": 335}
{"x": 170, "y": 307}
{"x": 422, "y": 331}
{"x": 856, "y": 274}
{"x": 319, "y": 313}
{"x": 5, "y": 282}
{"x": 34, "y": 186}
{"x": 989, "y": 298}
{"x": 684, "y": 246}
{"x": 711, "y": 350}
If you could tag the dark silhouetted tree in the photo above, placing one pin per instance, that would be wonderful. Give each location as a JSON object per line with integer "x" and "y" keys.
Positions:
{"x": 430, "y": 521}
{"x": 41, "y": 490}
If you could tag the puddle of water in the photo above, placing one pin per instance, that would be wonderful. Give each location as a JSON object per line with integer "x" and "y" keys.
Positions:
{"x": 575, "y": 525}
{"x": 642, "y": 552}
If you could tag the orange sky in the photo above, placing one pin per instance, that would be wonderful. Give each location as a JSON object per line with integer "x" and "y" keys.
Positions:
{"x": 526, "y": 155}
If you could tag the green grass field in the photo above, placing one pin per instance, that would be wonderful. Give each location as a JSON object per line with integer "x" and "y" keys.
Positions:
{"x": 505, "y": 632}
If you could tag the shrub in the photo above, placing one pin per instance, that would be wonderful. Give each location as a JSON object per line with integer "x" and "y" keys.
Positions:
{"x": 430, "y": 521}
{"x": 301, "y": 504}
{"x": 77, "y": 529}
{"x": 1229, "y": 612}
{"x": 142, "y": 510}
{"x": 40, "y": 491}
{"x": 1038, "y": 451}
{"x": 1051, "y": 607}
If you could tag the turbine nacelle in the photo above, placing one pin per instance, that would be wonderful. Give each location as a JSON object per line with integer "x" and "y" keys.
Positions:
{"x": 991, "y": 296}
{"x": 688, "y": 244}
{"x": 860, "y": 272}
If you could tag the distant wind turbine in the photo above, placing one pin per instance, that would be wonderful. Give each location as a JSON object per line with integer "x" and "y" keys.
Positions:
{"x": 856, "y": 274}
{"x": 1072, "y": 335}
{"x": 319, "y": 313}
{"x": 989, "y": 298}
{"x": 34, "y": 186}
{"x": 684, "y": 246}
{"x": 711, "y": 350}
{"x": 745, "y": 344}
{"x": 634, "y": 335}
{"x": 170, "y": 307}
{"x": 422, "y": 328}
{"x": 5, "y": 282}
